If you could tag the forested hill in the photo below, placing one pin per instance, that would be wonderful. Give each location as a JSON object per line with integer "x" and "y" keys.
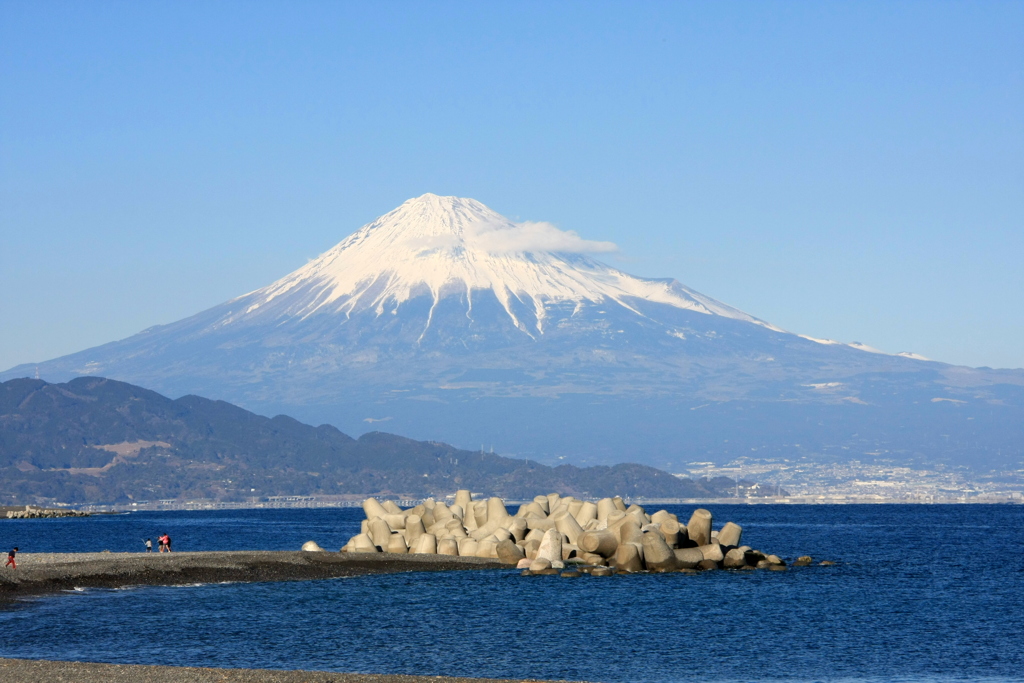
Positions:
{"x": 95, "y": 440}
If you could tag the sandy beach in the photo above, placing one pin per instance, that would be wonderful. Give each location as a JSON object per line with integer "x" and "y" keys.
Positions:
{"x": 40, "y": 573}
{"x": 33, "y": 671}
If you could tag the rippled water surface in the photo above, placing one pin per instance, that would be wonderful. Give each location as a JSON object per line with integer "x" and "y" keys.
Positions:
{"x": 919, "y": 593}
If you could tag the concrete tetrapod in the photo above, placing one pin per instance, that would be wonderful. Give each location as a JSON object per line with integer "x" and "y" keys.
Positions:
{"x": 542, "y": 501}
{"x": 373, "y": 508}
{"x": 380, "y": 532}
{"x": 496, "y": 510}
{"x": 657, "y": 555}
{"x": 629, "y": 557}
{"x": 661, "y": 515}
{"x": 629, "y": 530}
{"x": 463, "y": 498}
{"x": 468, "y": 546}
{"x": 735, "y": 559}
{"x": 509, "y": 553}
{"x": 602, "y": 542}
{"x": 688, "y": 558}
{"x": 699, "y": 527}
{"x": 311, "y": 547}
{"x": 568, "y": 525}
{"x": 487, "y": 547}
{"x": 362, "y": 543}
{"x": 448, "y": 546}
{"x": 588, "y": 512}
{"x": 670, "y": 531}
{"x": 396, "y": 544}
{"x": 396, "y": 522}
{"x": 413, "y": 529}
{"x": 712, "y": 551}
{"x": 551, "y": 546}
{"x": 730, "y": 534}
{"x": 426, "y": 545}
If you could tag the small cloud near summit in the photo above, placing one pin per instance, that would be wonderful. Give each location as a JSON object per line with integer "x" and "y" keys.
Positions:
{"x": 536, "y": 236}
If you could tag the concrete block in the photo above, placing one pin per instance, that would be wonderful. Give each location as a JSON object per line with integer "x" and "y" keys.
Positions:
{"x": 586, "y": 514}
{"x": 396, "y": 544}
{"x": 373, "y": 508}
{"x": 657, "y": 555}
{"x": 688, "y": 558}
{"x": 426, "y": 545}
{"x": 568, "y": 525}
{"x": 509, "y": 553}
{"x": 448, "y": 545}
{"x": 699, "y": 527}
{"x": 730, "y": 534}
{"x": 712, "y": 551}
{"x": 550, "y": 546}
{"x": 602, "y": 542}
{"x": 629, "y": 557}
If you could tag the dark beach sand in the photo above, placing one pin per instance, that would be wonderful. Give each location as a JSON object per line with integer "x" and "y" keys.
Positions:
{"x": 40, "y": 573}
{"x": 32, "y": 671}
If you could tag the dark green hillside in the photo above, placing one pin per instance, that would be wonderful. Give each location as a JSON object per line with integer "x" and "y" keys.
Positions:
{"x": 99, "y": 440}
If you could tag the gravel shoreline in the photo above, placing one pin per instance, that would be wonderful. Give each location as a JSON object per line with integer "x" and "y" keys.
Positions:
{"x": 41, "y": 573}
{"x": 42, "y": 671}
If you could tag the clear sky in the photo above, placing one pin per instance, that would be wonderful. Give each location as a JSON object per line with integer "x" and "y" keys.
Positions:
{"x": 844, "y": 170}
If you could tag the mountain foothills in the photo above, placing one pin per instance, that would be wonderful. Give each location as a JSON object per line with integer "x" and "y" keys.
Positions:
{"x": 97, "y": 440}
{"x": 445, "y": 320}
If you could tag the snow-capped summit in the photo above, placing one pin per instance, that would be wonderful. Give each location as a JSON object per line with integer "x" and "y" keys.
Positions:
{"x": 441, "y": 246}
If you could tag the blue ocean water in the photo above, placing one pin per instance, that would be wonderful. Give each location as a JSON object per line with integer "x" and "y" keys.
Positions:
{"x": 919, "y": 593}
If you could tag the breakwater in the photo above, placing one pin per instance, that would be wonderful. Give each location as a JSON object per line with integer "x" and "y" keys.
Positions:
{"x": 551, "y": 531}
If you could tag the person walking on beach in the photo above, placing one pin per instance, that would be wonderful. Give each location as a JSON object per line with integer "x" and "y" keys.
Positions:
{"x": 149, "y": 545}
{"x": 10, "y": 559}
{"x": 167, "y": 542}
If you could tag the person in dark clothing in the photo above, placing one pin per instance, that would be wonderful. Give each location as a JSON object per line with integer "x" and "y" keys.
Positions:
{"x": 10, "y": 559}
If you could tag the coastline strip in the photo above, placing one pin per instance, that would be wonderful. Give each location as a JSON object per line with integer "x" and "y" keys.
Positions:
{"x": 46, "y": 671}
{"x": 42, "y": 573}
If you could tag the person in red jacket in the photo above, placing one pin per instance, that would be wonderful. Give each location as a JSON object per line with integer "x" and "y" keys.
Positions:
{"x": 10, "y": 559}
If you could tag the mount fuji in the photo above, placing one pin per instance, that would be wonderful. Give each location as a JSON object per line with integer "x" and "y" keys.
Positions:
{"x": 445, "y": 320}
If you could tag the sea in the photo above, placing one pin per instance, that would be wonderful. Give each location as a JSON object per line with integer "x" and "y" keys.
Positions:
{"x": 918, "y": 593}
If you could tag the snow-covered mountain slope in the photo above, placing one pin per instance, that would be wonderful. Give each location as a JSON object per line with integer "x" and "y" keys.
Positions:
{"x": 444, "y": 320}
{"x": 443, "y": 246}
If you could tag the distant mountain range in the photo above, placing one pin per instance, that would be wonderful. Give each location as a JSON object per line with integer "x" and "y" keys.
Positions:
{"x": 97, "y": 440}
{"x": 444, "y": 320}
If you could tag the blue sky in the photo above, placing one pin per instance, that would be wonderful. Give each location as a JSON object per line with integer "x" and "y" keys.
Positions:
{"x": 844, "y": 170}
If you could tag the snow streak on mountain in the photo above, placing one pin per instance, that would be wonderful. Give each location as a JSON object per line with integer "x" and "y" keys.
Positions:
{"x": 439, "y": 246}
{"x": 444, "y": 320}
